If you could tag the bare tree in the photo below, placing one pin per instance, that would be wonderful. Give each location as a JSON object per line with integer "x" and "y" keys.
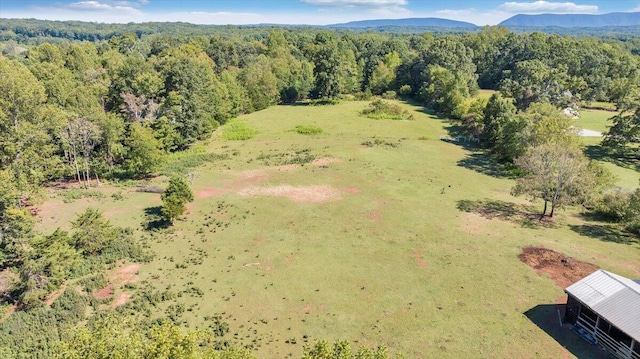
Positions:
{"x": 81, "y": 137}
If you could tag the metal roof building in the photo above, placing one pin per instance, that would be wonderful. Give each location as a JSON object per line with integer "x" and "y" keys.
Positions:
{"x": 607, "y": 306}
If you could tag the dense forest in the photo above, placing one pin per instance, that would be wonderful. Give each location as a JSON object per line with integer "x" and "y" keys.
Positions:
{"x": 114, "y": 103}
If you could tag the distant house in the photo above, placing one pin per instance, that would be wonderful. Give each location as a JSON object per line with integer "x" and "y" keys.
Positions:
{"x": 607, "y": 307}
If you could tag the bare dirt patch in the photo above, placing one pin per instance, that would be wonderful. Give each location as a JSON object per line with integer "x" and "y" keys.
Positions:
{"x": 51, "y": 297}
{"x": 125, "y": 275}
{"x": 10, "y": 311}
{"x": 208, "y": 192}
{"x": 122, "y": 299}
{"x": 104, "y": 293}
{"x": 325, "y": 161}
{"x": 562, "y": 269}
{"x": 306, "y": 194}
{"x": 118, "y": 277}
{"x": 352, "y": 190}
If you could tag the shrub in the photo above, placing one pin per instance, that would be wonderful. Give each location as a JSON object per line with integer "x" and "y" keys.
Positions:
{"x": 236, "y": 130}
{"x": 390, "y": 95}
{"x": 308, "y": 130}
{"x": 614, "y": 206}
{"x": 379, "y": 110}
{"x": 405, "y": 90}
{"x": 74, "y": 194}
{"x": 364, "y": 96}
{"x": 177, "y": 194}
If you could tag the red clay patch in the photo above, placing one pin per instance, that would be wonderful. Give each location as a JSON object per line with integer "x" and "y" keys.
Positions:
{"x": 104, "y": 293}
{"x": 419, "y": 260}
{"x": 119, "y": 277}
{"x": 563, "y": 270}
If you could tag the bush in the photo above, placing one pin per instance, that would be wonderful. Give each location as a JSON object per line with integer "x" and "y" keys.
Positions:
{"x": 614, "y": 206}
{"x": 379, "y": 110}
{"x": 177, "y": 194}
{"x": 390, "y": 95}
{"x": 364, "y": 96}
{"x": 236, "y": 130}
{"x": 308, "y": 130}
{"x": 405, "y": 91}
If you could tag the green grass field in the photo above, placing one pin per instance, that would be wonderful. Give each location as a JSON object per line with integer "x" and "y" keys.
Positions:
{"x": 294, "y": 238}
{"x": 596, "y": 120}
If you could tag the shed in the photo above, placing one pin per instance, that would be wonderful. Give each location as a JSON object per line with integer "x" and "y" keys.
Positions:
{"x": 607, "y": 306}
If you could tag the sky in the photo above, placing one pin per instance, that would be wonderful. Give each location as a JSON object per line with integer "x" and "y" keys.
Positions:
{"x": 312, "y": 12}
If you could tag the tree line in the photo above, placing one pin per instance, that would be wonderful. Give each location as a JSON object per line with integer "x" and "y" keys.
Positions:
{"x": 114, "y": 108}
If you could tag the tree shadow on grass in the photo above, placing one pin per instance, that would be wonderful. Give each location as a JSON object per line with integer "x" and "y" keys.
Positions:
{"x": 523, "y": 215}
{"x": 597, "y": 152}
{"x": 484, "y": 164}
{"x": 605, "y": 233}
{"x": 153, "y": 219}
{"x": 546, "y": 317}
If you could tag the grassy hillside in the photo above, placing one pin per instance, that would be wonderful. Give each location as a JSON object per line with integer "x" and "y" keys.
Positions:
{"x": 373, "y": 231}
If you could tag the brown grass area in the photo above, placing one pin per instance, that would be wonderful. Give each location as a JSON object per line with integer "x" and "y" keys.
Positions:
{"x": 325, "y": 161}
{"x": 247, "y": 179}
{"x": 563, "y": 270}
{"x": 305, "y": 194}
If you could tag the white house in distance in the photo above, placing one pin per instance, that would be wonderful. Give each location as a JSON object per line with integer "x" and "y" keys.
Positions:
{"x": 607, "y": 307}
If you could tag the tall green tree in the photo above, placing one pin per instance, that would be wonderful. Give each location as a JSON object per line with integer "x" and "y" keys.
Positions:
{"x": 503, "y": 129}
{"x": 326, "y": 60}
{"x": 534, "y": 81}
{"x": 261, "y": 83}
{"x": 143, "y": 155}
{"x": 444, "y": 91}
{"x": 26, "y": 143}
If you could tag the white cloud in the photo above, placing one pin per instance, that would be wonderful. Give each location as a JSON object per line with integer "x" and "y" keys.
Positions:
{"x": 537, "y": 7}
{"x": 635, "y": 9}
{"x": 371, "y": 4}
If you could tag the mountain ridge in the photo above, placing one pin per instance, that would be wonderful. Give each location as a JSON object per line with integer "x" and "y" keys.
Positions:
{"x": 616, "y": 19}
{"x": 407, "y": 22}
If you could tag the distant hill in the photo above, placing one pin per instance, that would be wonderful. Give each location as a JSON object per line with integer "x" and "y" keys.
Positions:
{"x": 575, "y": 20}
{"x": 412, "y": 22}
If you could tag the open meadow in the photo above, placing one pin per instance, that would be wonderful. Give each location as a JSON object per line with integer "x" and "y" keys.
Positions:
{"x": 372, "y": 231}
